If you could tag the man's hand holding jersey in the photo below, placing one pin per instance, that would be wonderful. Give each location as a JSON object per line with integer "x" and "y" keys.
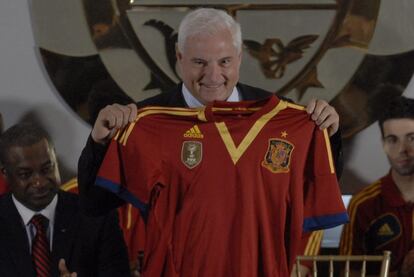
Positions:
{"x": 110, "y": 119}
{"x": 114, "y": 117}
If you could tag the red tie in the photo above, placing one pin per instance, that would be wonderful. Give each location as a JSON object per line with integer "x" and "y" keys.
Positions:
{"x": 40, "y": 246}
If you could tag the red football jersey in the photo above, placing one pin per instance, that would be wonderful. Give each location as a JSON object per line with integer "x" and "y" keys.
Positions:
{"x": 227, "y": 190}
{"x": 380, "y": 220}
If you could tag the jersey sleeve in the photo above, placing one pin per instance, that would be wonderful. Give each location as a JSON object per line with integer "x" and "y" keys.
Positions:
{"x": 131, "y": 168}
{"x": 323, "y": 205}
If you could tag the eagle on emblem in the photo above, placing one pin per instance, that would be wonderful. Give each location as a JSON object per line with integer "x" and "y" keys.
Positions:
{"x": 274, "y": 56}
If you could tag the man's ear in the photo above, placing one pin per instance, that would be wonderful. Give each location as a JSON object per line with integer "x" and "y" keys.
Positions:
{"x": 178, "y": 54}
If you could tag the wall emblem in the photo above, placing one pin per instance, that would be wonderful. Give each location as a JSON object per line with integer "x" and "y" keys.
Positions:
{"x": 100, "y": 52}
{"x": 130, "y": 50}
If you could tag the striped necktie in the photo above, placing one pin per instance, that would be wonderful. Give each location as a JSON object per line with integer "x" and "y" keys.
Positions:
{"x": 40, "y": 246}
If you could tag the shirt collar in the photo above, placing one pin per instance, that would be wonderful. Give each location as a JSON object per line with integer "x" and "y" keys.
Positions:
{"x": 27, "y": 214}
{"x": 193, "y": 102}
{"x": 391, "y": 192}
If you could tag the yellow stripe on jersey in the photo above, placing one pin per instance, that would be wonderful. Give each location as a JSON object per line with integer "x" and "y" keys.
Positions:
{"x": 325, "y": 133}
{"x": 296, "y": 106}
{"x": 314, "y": 243}
{"x": 161, "y": 108}
{"x": 123, "y": 135}
{"x": 125, "y": 132}
{"x": 69, "y": 185}
{"x": 237, "y": 152}
{"x": 251, "y": 109}
{"x": 202, "y": 115}
{"x": 328, "y": 149}
{"x": 214, "y": 109}
{"x": 345, "y": 246}
{"x": 412, "y": 233}
{"x": 129, "y": 220}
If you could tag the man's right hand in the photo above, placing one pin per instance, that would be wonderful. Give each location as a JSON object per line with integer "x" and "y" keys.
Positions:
{"x": 110, "y": 119}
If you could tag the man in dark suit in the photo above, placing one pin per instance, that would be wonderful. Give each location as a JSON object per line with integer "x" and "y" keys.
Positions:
{"x": 209, "y": 65}
{"x": 209, "y": 58}
{"x": 87, "y": 246}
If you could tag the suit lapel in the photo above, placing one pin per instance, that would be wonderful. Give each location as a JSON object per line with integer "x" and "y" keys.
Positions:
{"x": 251, "y": 93}
{"x": 65, "y": 230}
{"x": 176, "y": 98}
{"x": 16, "y": 240}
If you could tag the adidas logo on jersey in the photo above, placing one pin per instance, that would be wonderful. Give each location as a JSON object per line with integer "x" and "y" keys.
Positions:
{"x": 385, "y": 230}
{"x": 194, "y": 132}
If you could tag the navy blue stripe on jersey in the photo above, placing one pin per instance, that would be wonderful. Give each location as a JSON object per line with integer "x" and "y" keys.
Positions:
{"x": 325, "y": 222}
{"x": 124, "y": 194}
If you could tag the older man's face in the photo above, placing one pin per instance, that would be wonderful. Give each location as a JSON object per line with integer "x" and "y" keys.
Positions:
{"x": 210, "y": 66}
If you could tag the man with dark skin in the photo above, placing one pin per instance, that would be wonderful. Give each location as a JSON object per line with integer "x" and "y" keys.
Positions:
{"x": 86, "y": 246}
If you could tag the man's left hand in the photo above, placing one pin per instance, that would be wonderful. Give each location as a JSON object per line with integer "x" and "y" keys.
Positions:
{"x": 324, "y": 115}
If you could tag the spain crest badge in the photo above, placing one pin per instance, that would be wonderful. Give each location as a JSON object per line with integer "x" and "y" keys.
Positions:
{"x": 278, "y": 155}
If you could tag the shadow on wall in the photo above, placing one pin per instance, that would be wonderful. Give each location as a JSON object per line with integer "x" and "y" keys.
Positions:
{"x": 351, "y": 181}
{"x": 50, "y": 119}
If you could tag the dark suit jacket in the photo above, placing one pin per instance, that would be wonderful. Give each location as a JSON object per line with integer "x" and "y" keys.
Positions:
{"x": 97, "y": 201}
{"x": 90, "y": 246}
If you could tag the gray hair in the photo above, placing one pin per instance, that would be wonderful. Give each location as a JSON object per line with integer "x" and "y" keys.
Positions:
{"x": 208, "y": 21}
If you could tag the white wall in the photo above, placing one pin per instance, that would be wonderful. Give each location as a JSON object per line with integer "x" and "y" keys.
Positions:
{"x": 25, "y": 89}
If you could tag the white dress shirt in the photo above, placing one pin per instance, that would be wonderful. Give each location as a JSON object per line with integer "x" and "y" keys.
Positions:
{"x": 192, "y": 102}
{"x": 27, "y": 214}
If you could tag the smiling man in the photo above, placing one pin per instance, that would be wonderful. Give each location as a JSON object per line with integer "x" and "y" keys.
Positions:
{"x": 209, "y": 67}
{"x": 40, "y": 224}
{"x": 381, "y": 215}
{"x": 209, "y": 51}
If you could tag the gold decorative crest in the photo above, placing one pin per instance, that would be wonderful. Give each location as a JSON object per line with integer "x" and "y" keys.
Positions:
{"x": 191, "y": 153}
{"x": 278, "y": 155}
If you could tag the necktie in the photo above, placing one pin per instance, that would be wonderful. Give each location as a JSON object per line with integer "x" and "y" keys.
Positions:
{"x": 40, "y": 246}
